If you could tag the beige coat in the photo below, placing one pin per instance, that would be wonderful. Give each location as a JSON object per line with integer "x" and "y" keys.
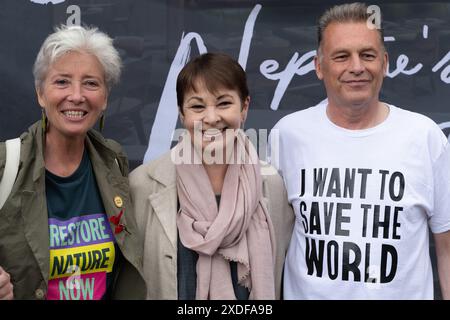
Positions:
{"x": 154, "y": 194}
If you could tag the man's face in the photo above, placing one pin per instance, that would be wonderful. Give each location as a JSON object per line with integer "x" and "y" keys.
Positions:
{"x": 352, "y": 64}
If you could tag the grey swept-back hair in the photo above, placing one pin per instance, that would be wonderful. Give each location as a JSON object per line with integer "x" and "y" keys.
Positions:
{"x": 78, "y": 39}
{"x": 349, "y": 12}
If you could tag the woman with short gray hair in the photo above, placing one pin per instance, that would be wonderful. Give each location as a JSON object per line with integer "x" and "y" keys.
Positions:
{"x": 67, "y": 232}
{"x": 77, "y": 38}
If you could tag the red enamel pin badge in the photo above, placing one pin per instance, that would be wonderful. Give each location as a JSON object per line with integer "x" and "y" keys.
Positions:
{"x": 119, "y": 226}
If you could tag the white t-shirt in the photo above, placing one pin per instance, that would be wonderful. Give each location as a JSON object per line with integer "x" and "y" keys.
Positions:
{"x": 363, "y": 200}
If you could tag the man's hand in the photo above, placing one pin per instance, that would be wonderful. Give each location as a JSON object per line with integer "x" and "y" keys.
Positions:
{"x": 6, "y": 287}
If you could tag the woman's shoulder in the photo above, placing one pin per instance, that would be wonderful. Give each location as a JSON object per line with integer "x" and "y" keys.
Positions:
{"x": 161, "y": 170}
{"x": 269, "y": 174}
{"x": 267, "y": 169}
{"x": 274, "y": 191}
{"x": 273, "y": 185}
{"x": 27, "y": 139}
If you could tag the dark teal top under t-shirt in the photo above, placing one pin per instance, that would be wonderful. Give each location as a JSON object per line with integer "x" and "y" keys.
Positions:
{"x": 187, "y": 274}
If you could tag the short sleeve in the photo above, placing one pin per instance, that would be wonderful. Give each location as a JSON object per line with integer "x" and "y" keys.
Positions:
{"x": 440, "y": 218}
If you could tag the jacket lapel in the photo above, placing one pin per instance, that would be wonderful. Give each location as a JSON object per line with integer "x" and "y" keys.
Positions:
{"x": 110, "y": 187}
{"x": 164, "y": 202}
{"x": 165, "y": 205}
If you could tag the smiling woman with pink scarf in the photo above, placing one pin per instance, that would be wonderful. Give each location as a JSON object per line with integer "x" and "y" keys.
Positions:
{"x": 215, "y": 221}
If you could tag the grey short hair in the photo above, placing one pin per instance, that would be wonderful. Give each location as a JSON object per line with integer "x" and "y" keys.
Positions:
{"x": 349, "y": 12}
{"x": 79, "y": 39}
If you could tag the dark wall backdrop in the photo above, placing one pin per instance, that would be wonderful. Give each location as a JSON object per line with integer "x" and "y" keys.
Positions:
{"x": 148, "y": 34}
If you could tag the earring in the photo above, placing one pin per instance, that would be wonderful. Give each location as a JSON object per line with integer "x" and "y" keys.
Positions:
{"x": 102, "y": 122}
{"x": 44, "y": 120}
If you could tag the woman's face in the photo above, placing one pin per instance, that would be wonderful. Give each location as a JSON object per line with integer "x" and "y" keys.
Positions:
{"x": 208, "y": 115}
{"x": 73, "y": 94}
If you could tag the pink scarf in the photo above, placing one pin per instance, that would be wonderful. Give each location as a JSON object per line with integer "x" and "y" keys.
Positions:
{"x": 239, "y": 230}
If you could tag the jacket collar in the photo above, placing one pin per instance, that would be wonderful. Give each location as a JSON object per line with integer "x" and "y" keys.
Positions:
{"x": 163, "y": 170}
{"x": 37, "y": 149}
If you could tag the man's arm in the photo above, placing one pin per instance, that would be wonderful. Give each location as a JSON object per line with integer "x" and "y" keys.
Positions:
{"x": 442, "y": 243}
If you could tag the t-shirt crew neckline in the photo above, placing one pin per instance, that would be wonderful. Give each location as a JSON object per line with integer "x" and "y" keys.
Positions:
{"x": 359, "y": 132}
{"x": 75, "y": 175}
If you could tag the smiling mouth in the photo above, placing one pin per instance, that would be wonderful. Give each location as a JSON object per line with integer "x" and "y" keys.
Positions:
{"x": 72, "y": 114}
{"x": 356, "y": 82}
{"x": 213, "y": 133}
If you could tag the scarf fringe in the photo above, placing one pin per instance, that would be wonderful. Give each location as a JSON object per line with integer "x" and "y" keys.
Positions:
{"x": 246, "y": 265}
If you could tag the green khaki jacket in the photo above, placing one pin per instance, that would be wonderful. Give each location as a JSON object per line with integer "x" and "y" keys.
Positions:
{"x": 24, "y": 231}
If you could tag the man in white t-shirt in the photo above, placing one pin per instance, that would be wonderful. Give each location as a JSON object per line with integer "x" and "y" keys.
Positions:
{"x": 366, "y": 179}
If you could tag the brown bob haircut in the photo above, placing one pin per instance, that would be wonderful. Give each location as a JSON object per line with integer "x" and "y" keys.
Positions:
{"x": 217, "y": 71}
